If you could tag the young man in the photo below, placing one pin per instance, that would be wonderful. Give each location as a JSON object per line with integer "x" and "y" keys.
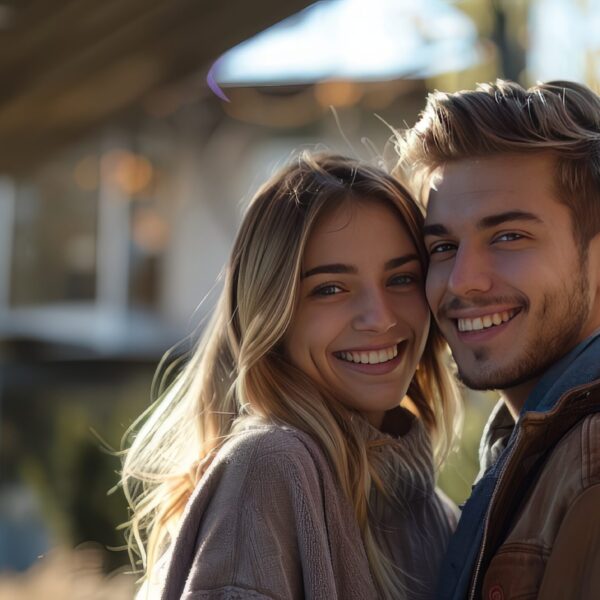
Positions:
{"x": 513, "y": 229}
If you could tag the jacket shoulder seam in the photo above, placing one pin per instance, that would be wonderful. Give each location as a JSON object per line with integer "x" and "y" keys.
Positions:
{"x": 590, "y": 451}
{"x": 521, "y": 547}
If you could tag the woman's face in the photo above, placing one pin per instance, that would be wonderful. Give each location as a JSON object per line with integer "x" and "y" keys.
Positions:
{"x": 362, "y": 319}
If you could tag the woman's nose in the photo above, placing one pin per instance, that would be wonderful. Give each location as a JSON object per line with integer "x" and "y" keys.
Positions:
{"x": 374, "y": 313}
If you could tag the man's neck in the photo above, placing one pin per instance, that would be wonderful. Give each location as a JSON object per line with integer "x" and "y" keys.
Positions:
{"x": 515, "y": 397}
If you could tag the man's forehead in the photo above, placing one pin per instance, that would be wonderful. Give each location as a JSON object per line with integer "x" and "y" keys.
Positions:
{"x": 469, "y": 204}
{"x": 473, "y": 191}
{"x": 473, "y": 187}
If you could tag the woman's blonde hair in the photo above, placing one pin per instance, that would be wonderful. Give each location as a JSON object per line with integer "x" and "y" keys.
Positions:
{"x": 239, "y": 368}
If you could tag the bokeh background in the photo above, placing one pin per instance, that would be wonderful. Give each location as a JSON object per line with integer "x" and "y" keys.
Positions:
{"x": 132, "y": 132}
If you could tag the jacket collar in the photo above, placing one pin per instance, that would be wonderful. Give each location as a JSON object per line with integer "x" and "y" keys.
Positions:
{"x": 495, "y": 437}
{"x": 578, "y": 367}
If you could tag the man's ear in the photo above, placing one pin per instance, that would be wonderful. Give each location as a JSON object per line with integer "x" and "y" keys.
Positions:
{"x": 592, "y": 272}
{"x": 593, "y": 266}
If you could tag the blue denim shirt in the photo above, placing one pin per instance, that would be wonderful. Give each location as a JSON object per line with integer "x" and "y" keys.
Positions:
{"x": 581, "y": 365}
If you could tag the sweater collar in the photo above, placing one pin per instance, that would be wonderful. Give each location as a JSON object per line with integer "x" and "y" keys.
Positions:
{"x": 401, "y": 452}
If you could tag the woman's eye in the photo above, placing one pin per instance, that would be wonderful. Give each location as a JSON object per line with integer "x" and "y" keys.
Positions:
{"x": 327, "y": 290}
{"x": 403, "y": 279}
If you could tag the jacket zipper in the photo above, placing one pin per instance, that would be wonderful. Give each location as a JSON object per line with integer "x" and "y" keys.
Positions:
{"x": 487, "y": 517}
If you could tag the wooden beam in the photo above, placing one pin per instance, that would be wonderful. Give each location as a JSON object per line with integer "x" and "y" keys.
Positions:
{"x": 70, "y": 70}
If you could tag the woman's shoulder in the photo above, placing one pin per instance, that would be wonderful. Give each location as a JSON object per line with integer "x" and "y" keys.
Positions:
{"x": 263, "y": 496}
{"x": 261, "y": 469}
{"x": 259, "y": 454}
{"x": 259, "y": 445}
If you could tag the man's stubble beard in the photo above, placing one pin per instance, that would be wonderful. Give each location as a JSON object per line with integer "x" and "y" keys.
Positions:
{"x": 558, "y": 333}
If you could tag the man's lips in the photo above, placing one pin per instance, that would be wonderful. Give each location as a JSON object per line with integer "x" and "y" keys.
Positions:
{"x": 485, "y": 320}
{"x": 485, "y": 325}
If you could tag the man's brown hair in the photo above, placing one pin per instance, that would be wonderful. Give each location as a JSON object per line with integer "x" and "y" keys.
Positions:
{"x": 558, "y": 117}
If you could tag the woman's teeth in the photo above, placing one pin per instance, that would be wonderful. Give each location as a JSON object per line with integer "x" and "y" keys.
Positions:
{"x": 372, "y": 357}
{"x": 486, "y": 321}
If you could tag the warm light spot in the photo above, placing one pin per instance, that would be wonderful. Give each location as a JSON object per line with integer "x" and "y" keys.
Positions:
{"x": 337, "y": 93}
{"x": 130, "y": 172}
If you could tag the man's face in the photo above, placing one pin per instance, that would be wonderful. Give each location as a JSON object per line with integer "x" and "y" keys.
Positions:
{"x": 507, "y": 282}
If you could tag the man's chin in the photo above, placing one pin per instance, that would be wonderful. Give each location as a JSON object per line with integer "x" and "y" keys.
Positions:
{"x": 499, "y": 380}
{"x": 476, "y": 383}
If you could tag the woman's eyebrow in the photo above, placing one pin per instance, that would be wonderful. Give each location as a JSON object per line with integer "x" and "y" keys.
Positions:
{"x": 400, "y": 260}
{"x": 333, "y": 268}
{"x": 351, "y": 269}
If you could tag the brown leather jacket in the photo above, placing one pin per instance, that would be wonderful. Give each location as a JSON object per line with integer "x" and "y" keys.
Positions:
{"x": 542, "y": 534}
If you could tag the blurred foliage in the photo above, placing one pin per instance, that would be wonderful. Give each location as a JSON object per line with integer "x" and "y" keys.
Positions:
{"x": 60, "y": 458}
{"x": 461, "y": 467}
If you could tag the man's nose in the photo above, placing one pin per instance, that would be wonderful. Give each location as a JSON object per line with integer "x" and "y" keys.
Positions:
{"x": 471, "y": 273}
{"x": 375, "y": 312}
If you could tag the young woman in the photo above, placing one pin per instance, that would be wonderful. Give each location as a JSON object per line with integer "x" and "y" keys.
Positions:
{"x": 292, "y": 456}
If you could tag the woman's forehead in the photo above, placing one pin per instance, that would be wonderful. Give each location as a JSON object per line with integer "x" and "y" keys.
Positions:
{"x": 358, "y": 226}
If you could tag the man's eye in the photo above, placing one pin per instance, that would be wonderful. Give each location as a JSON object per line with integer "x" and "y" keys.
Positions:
{"x": 509, "y": 237}
{"x": 327, "y": 290}
{"x": 441, "y": 248}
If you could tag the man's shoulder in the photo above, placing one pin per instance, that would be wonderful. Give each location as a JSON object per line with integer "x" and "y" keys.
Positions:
{"x": 554, "y": 515}
{"x": 576, "y": 456}
{"x": 572, "y": 467}
{"x": 573, "y": 464}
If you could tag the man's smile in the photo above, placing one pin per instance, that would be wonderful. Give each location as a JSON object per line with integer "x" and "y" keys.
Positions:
{"x": 491, "y": 319}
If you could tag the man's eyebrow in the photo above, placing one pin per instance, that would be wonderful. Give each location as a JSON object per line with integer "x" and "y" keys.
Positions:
{"x": 437, "y": 229}
{"x": 510, "y": 215}
{"x": 351, "y": 269}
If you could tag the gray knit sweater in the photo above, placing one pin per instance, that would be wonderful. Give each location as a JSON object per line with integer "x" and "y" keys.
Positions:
{"x": 268, "y": 521}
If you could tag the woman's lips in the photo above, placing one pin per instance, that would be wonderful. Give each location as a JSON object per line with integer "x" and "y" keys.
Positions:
{"x": 379, "y": 368}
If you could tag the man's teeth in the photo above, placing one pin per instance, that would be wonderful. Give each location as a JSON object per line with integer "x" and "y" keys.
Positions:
{"x": 373, "y": 357}
{"x": 486, "y": 321}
